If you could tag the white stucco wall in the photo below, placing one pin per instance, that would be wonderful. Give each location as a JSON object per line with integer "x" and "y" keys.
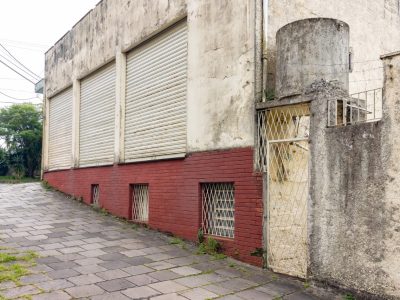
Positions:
{"x": 374, "y": 30}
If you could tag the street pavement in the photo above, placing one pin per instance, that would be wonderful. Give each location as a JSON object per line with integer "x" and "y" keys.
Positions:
{"x": 86, "y": 254}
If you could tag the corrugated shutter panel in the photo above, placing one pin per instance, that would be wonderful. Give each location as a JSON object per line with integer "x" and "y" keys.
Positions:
{"x": 96, "y": 126}
{"x": 60, "y": 130}
{"x": 155, "y": 124}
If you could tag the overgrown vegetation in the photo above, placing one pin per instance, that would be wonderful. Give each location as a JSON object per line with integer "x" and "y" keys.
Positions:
{"x": 20, "y": 140}
{"x": 212, "y": 247}
{"x": 13, "y": 179}
{"x": 15, "y": 264}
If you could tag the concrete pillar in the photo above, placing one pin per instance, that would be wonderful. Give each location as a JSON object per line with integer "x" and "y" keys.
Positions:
{"x": 76, "y": 100}
{"x": 120, "y": 60}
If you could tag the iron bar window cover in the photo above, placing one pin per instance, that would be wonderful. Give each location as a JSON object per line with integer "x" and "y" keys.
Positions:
{"x": 218, "y": 211}
{"x": 140, "y": 203}
{"x": 95, "y": 194}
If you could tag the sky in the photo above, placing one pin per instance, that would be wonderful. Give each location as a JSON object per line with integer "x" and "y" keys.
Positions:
{"x": 27, "y": 30}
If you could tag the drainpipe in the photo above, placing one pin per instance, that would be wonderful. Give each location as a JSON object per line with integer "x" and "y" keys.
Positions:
{"x": 264, "y": 45}
{"x": 258, "y": 50}
{"x": 260, "y": 39}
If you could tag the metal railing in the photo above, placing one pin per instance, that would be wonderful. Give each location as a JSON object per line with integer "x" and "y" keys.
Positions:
{"x": 357, "y": 108}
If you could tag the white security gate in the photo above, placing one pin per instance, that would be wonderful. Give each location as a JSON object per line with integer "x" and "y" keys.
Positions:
{"x": 60, "y": 130}
{"x": 156, "y": 84}
{"x": 96, "y": 126}
{"x": 140, "y": 203}
{"x": 95, "y": 194}
{"x": 283, "y": 133}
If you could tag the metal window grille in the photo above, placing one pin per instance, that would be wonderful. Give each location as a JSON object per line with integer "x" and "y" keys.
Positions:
{"x": 287, "y": 123}
{"x": 95, "y": 194}
{"x": 140, "y": 202}
{"x": 218, "y": 211}
{"x": 358, "y": 108}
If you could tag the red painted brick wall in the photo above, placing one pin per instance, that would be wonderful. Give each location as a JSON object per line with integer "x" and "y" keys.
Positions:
{"x": 174, "y": 193}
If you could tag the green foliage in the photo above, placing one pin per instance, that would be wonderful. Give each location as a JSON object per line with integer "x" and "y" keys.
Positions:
{"x": 14, "y": 264}
{"x": 13, "y": 179}
{"x": 349, "y": 297}
{"x": 212, "y": 247}
{"x": 178, "y": 241}
{"x": 257, "y": 252}
{"x": 46, "y": 185}
{"x": 3, "y": 162}
{"x": 5, "y": 257}
{"x": 21, "y": 130}
{"x": 200, "y": 236}
{"x": 269, "y": 94}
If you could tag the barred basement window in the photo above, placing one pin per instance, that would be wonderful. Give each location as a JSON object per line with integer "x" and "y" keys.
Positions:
{"x": 140, "y": 202}
{"x": 218, "y": 209}
{"x": 95, "y": 194}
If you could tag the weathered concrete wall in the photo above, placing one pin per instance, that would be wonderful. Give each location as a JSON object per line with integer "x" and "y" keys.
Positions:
{"x": 220, "y": 59}
{"x": 374, "y": 30}
{"x": 221, "y": 74}
{"x": 354, "y": 192}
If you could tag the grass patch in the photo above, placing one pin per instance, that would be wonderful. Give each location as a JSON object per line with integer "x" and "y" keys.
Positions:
{"x": 6, "y": 257}
{"x": 177, "y": 241}
{"x": 349, "y": 297}
{"x": 12, "y": 179}
{"x": 15, "y": 264}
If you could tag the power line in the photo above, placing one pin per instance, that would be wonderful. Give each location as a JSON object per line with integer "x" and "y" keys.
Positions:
{"x": 17, "y": 72}
{"x": 19, "y": 61}
{"x": 19, "y": 68}
{"x": 32, "y": 44}
{"x": 17, "y": 99}
{"x": 15, "y": 103}
{"x": 25, "y": 48}
{"x": 20, "y": 91}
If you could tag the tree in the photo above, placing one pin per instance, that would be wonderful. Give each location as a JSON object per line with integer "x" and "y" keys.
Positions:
{"x": 21, "y": 130}
{"x": 3, "y": 162}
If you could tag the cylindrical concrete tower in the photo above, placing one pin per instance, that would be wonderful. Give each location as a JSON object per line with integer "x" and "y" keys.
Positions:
{"x": 310, "y": 50}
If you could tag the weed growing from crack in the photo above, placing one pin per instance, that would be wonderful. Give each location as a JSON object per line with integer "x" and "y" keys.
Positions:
{"x": 15, "y": 264}
{"x": 212, "y": 247}
{"x": 177, "y": 241}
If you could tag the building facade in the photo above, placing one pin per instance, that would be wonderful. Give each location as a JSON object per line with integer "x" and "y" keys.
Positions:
{"x": 152, "y": 111}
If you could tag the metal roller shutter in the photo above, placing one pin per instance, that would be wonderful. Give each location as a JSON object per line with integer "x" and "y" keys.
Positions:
{"x": 96, "y": 126}
{"x": 60, "y": 130}
{"x": 155, "y": 115}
